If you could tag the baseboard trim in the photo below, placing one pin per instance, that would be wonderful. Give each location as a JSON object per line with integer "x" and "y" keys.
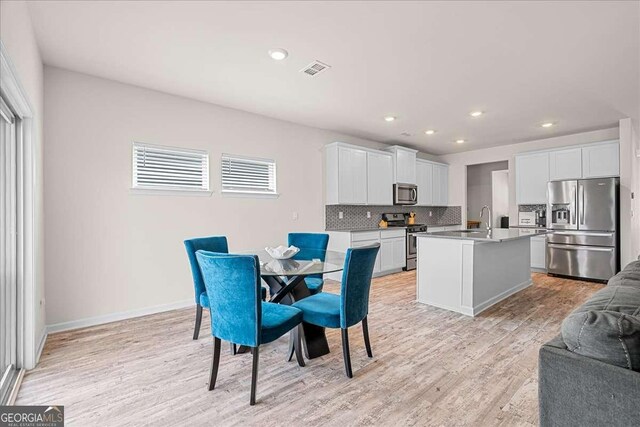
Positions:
{"x": 13, "y": 395}
{"x": 114, "y": 317}
{"x": 502, "y": 296}
{"x": 43, "y": 340}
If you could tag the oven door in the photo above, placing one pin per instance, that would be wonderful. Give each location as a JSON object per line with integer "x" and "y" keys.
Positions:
{"x": 412, "y": 245}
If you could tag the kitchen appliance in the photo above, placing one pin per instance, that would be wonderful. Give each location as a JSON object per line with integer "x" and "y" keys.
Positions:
{"x": 527, "y": 219}
{"x": 411, "y": 241}
{"x": 584, "y": 219}
{"x": 405, "y": 194}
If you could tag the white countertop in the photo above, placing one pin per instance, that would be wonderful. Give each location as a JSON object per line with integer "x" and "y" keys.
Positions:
{"x": 496, "y": 235}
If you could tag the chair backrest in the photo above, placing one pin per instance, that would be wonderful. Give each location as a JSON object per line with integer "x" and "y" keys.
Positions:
{"x": 356, "y": 283}
{"x": 233, "y": 286}
{"x": 312, "y": 245}
{"x": 210, "y": 244}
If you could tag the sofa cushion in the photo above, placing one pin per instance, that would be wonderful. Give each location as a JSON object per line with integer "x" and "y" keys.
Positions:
{"x": 607, "y": 327}
{"x": 630, "y": 276}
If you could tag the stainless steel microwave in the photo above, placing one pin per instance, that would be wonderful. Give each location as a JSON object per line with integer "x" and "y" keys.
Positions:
{"x": 405, "y": 194}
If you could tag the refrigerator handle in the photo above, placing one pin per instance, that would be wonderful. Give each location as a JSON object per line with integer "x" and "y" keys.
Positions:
{"x": 581, "y": 204}
{"x": 573, "y": 203}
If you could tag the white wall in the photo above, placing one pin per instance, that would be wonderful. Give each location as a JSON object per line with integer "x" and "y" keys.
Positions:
{"x": 112, "y": 251}
{"x": 17, "y": 36}
{"x": 499, "y": 195}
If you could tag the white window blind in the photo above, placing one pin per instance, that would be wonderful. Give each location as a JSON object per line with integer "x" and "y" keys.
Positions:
{"x": 247, "y": 175}
{"x": 157, "y": 167}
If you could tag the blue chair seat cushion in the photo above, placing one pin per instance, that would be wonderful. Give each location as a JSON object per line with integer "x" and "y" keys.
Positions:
{"x": 277, "y": 320}
{"x": 314, "y": 284}
{"x": 322, "y": 309}
{"x": 204, "y": 298}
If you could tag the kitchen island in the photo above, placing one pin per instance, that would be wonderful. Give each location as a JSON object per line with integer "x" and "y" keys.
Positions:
{"x": 468, "y": 271}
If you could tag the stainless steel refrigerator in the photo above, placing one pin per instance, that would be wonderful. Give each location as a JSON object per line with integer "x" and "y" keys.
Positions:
{"x": 584, "y": 221}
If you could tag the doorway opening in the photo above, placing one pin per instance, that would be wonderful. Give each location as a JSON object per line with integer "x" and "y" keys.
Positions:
{"x": 488, "y": 185}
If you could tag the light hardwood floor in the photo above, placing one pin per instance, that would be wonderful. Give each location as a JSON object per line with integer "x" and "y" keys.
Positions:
{"x": 430, "y": 367}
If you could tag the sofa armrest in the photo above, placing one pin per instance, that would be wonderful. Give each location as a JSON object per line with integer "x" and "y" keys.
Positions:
{"x": 574, "y": 390}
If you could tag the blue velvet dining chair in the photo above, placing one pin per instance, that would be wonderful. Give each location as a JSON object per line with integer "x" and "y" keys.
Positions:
{"x": 311, "y": 246}
{"x": 238, "y": 313}
{"x": 211, "y": 244}
{"x": 351, "y": 306}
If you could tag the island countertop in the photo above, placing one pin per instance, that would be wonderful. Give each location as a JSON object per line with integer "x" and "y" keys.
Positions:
{"x": 496, "y": 235}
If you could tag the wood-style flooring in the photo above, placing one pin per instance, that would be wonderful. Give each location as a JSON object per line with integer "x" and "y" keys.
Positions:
{"x": 430, "y": 367}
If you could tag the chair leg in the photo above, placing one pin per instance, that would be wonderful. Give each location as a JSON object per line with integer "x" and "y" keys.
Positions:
{"x": 233, "y": 348}
{"x": 365, "y": 332}
{"x": 292, "y": 347}
{"x": 345, "y": 353}
{"x": 297, "y": 346}
{"x": 213, "y": 374}
{"x": 254, "y": 374}
{"x": 196, "y": 331}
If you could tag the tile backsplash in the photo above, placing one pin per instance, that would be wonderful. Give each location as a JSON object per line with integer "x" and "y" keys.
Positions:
{"x": 355, "y": 216}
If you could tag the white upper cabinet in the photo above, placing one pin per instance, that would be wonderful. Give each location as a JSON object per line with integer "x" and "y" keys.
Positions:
{"x": 379, "y": 178}
{"x": 404, "y": 164}
{"x": 346, "y": 175}
{"x": 532, "y": 176}
{"x": 440, "y": 185}
{"x": 601, "y": 160}
{"x": 565, "y": 164}
{"x": 424, "y": 180}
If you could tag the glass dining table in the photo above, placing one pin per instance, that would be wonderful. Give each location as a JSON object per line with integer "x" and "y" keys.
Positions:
{"x": 285, "y": 279}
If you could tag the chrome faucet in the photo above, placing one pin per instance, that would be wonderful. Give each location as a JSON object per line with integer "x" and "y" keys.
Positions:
{"x": 489, "y": 212}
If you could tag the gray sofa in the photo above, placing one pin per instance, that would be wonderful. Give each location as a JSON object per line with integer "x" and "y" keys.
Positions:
{"x": 589, "y": 375}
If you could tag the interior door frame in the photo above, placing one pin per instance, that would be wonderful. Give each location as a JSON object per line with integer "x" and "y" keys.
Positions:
{"x": 28, "y": 344}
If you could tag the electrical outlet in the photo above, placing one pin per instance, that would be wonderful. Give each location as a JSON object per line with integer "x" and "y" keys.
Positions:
{"x": 430, "y": 214}
{"x": 340, "y": 215}
{"x": 295, "y": 216}
{"x": 368, "y": 214}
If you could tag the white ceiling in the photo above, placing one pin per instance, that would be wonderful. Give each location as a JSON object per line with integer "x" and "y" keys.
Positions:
{"x": 429, "y": 63}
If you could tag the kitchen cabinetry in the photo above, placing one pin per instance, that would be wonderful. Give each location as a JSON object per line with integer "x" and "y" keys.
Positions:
{"x": 565, "y": 164}
{"x": 532, "y": 176}
{"x": 440, "y": 185}
{"x": 539, "y": 253}
{"x": 392, "y": 256}
{"x": 379, "y": 178}
{"x": 601, "y": 160}
{"x": 404, "y": 164}
{"x": 534, "y": 170}
{"x": 424, "y": 180}
{"x": 354, "y": 174}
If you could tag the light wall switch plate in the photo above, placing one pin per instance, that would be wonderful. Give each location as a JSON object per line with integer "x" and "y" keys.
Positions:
{"x": 430, "y": 214}
{"x": 340, "y": 215}
{"x": 368, "y": 214}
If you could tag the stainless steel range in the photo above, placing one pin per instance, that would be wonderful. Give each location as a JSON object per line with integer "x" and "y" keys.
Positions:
{"x": 400, "y": 220}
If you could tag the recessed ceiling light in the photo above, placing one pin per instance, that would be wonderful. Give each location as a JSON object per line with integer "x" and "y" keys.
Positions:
{"x": 430, "y": 131}
{"x": 460, "y": 141}
{"x": 476, "y": 113}
{"x": 389, "y": 118}
{"x": 547, "y": 124}
{"x": 278, "y": 54}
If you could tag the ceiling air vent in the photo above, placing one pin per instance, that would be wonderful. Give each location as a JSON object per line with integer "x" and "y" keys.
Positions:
{"x": 315, "y": 68}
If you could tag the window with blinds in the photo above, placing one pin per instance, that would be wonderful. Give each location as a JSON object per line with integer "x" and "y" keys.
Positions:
{"x": 248, "y": 175}
{"x": 157, "y": 167}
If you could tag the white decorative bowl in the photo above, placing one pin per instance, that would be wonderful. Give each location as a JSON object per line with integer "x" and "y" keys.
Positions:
{"x": 282, "y": 252}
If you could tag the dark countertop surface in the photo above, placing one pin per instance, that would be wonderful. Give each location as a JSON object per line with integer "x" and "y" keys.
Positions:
{"x": 353, "y": 230}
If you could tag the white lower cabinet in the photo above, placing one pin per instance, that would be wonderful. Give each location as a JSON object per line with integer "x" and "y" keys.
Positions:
{"x": 391, "y": 256}
{"x": 539, "y": 253}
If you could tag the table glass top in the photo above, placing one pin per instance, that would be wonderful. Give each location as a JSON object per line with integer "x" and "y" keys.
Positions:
{"x": 304, "y": 263}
